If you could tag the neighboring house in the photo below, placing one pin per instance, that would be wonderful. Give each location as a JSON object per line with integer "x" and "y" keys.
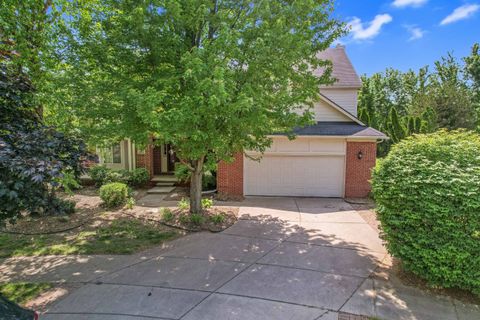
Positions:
{"x": 332, "y": 158}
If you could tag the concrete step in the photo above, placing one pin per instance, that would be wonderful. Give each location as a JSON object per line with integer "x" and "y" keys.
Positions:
{"x": 165, "y": 178}
{"x": 165, "y": 184}
{"x": 160, "y": 190}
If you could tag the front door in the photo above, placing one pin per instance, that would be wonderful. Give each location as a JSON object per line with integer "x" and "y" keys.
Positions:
{"x": 171, "y": 158}
{"x": 157, "y": 160}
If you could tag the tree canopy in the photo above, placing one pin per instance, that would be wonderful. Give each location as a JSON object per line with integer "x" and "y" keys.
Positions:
{"x": 404, "y": 103}
{"x": 209, "y": 77}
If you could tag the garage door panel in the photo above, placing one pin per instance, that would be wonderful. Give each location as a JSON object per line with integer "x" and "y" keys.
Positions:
{"x": 320, "y": 176}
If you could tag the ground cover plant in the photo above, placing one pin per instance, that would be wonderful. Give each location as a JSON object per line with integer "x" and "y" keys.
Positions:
{"x": 22, "y": 292}
{"x": 428, "y": 195}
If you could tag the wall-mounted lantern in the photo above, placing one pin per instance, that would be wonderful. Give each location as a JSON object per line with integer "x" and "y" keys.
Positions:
{"x": 360, "y": 155}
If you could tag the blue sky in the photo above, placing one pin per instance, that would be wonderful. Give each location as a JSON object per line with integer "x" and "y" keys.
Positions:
{"x": 407, "y": 34}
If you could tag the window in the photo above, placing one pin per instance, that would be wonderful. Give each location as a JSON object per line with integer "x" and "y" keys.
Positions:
{"x": 113, "y": 154}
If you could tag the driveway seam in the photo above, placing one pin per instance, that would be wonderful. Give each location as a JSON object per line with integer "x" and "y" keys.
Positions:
{"x": 227, "y": 281}
{"x": 275, "y": 300}
{"x": 332, "y": 246}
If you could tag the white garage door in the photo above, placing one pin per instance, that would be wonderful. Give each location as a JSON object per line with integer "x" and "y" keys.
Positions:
{"x": 298, "y": 173}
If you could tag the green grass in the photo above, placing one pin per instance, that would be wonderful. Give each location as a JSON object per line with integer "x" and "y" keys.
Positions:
{"x": 22, "y": 292}
{"x": 120, "y": 237}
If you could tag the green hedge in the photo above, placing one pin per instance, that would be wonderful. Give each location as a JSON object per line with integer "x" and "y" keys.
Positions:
{"x": 114, "y": 194}
{"x": 428, "y": 195}
{"x": 135, "y": 178}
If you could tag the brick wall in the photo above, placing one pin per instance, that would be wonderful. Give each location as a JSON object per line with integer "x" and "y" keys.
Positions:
{"x": 145, "y": 160}
{"x": 358, "y": 171}
{"x": 230, "y": 177}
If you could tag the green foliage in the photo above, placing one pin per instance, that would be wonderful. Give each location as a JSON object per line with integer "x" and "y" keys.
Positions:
{"x": 209, "y": 178}
{"x": 207, "y": 203}
{"x": 428, "y": 195}
{"x": 122, "y": 236}
{"x": 130, "y": 203}
{"x": 217, "y": 218}
{"x": 98, "y": 174}
{"x": 183, "y": 204}
{"x": 138, "y": 177}
{"x": 197, "y": 219}
{"x": 22, "y": 292}
{"x": 166, "y": 214}
{"x": 401, "y": 104}
{"x": 102, "y": 175}
{"x": 33, "y": 157}
{"x": 182, "y": 173}
{"x": 68, "y": 182}
{"x": 114, "y": 194}
{"x": 196, "y": 74}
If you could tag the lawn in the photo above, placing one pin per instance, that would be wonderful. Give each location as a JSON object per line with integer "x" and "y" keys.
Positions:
{"x": 22, "y": 292}
{"x": 122, "y": 236}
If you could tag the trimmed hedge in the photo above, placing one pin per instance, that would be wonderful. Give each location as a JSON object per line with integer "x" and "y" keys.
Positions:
{"x": 114, "y": 194}
{"x": 428, "y": 195}
{"x": 135, "y": 178}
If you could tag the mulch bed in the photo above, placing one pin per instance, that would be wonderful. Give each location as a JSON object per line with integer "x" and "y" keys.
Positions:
{"x": 180, "y": 216}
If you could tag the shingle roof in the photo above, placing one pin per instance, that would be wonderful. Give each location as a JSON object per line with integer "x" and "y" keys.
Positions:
{"x": 343, "y": 70}
{"x": 352, "y": 129}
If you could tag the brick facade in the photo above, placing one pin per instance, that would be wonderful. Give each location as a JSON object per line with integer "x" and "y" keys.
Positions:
{"x": 145, "y": 160}
{"x": 230, "y": 177}
{"x": 358, "y": 171}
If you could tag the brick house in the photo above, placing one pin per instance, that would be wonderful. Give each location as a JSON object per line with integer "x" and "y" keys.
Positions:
{"x": 332, "y": 158}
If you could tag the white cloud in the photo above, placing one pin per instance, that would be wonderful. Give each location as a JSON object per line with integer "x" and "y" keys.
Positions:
{"x": 415, "y": 32}
{"x": 408, "y": 3}
{"x": 461, "y": 13}
{"x": 361, "y": 32}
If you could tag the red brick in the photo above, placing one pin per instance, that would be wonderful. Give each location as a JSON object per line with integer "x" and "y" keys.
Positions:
{"x": 358, "y": 171}
{"x": 230, "y": 176}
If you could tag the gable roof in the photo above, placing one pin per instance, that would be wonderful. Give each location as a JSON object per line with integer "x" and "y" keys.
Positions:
{"x": 342, "y": 69}
{"x": 337, "y": 107}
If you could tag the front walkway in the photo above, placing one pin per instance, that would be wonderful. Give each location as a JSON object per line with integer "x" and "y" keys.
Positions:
{"x": 288, "y": 258}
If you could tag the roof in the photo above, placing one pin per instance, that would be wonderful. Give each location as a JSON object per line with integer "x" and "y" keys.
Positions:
{"x": 347, "y": 129}
{"x": 342, "y": 69}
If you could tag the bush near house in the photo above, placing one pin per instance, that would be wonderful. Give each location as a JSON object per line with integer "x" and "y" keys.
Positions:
{"x": 114, "y": 194}
{"x": 135, "y": 178}
{"x": 428, "y": 195}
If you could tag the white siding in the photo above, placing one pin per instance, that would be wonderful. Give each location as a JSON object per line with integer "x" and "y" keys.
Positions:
{"x": 345, "y": 98}
{"x": 324, "y": 112}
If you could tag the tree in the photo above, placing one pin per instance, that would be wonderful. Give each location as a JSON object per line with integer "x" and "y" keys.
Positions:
{"x": 472, "y": 70}
{"x": 210, "y": 77}
{"x": 33, "y": 157}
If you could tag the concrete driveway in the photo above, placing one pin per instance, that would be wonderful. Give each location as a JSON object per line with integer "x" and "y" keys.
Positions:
{"x": 287, "y": 258}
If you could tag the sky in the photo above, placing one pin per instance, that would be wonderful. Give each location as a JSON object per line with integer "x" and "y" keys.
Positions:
{"x": 407, "y": 34}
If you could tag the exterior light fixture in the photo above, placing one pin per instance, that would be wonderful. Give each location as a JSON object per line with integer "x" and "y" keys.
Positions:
{"x": 360, "y": 155}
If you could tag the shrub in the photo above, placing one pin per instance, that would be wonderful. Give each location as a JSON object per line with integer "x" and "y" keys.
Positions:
{"x": 130, "y": 203}
{"x": 98, "y": 174}
{"x": 167, "y": 214}
{"x": 139, "y": 177}
{"x": 428, "y": 195}
{"x": 114, "y": 194}
{"x": 207, "y": 203}
{"x": 217, "y": 218}
{"x": 196, "y": 219}
{"x": 183, "y": 204}
{"x": 60, "y": 206}
{"x": 102, "y": 175}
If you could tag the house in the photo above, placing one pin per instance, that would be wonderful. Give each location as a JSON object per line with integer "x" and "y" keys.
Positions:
{"x": 332, "y": 158}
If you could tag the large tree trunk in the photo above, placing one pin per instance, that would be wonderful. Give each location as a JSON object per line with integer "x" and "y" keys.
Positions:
{"x": 196, "y": 187}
